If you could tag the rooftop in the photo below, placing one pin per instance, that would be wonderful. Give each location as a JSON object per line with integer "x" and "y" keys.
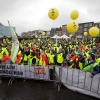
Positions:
{"x": 1, "y": 24}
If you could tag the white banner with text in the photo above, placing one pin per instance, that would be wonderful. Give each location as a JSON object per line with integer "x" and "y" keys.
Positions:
{"x": 34, "y": 72}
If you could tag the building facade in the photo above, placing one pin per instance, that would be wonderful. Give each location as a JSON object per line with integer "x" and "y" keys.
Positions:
{"x": 5, "y": 30}
{"x": 84, "y": 27}
{"x": 64, "y": 30}
{"x": 34, "y": 33}
{"x": 56, "y": 31}
{"x": 97, "y": 25}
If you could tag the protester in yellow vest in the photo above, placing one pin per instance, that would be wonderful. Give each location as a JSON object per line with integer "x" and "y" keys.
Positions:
{"x": 81, "y": 61}
{"x": 92, "y": 66}
{"x": 60, "y": 57}
{"x": 72, "y": 60}
{"x": 1, "y": 54}
{"x": 26, "y": 55}
{"x": 32, "y": 60}
{"x": 42, "y": 59}
{"x": 51, "y": 58}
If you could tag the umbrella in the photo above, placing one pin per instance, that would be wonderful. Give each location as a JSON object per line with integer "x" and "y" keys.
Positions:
{"x": 64, "y": 36}
{"x": 56, "y": 37}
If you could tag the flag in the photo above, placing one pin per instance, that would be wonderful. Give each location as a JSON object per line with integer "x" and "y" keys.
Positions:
{"x": 15, "y": 44}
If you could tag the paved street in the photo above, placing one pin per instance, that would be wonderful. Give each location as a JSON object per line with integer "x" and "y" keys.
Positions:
{"x": 37, "y": 90}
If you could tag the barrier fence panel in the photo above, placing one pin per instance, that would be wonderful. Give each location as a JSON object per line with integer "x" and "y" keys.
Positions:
{"x": 95, "y": 83}
{"x": 57, "y": 74}
{"x": 81, "y": 81}
{"x": 99, "y": 86}
{"x": 75, "y": 77}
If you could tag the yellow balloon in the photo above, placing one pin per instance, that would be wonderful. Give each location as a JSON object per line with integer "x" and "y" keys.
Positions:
{"x": 74, "y": 14}
{"x": 72, "y": 27}
{"x": 85, "y": 33}
{"x": 53, "y": 13}
{"x": 39, "y": 40}
{"x": 94, "y": 31}
{"x": 36, "y": 36}
{"x": 43, "y": 33}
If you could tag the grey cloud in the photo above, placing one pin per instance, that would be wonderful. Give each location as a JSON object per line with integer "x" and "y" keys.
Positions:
{"x": 94, "y": 11}
{"x": 20, "y": 13}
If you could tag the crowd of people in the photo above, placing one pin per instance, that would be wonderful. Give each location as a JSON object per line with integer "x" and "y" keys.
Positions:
{"x": 80, "y": 54}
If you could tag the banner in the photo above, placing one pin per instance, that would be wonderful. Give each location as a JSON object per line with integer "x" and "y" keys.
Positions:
{"x": 31, "y": 72}
{"x": 15, "y": 44}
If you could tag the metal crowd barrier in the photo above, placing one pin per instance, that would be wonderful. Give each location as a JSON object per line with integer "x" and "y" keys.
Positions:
{"x": 80, "y": 79}
{"x": 58, "y": 74}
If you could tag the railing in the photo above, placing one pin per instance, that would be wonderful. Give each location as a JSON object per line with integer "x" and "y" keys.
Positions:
{"x": 60, "y": 75}
{"x": 80, "y": 79}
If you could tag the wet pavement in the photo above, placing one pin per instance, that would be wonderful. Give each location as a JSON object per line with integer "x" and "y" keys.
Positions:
{"x": 37, "y": 90}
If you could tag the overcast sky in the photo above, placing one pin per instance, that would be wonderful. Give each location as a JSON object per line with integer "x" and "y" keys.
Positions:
{"x": 28, "y": 15}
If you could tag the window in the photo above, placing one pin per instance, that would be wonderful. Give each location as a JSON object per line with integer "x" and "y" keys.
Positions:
{"x": 85, "y": 25}
{"x": 85, "y": 29}
{"x": 90, "y": 25}
{"x": 64, "y": 32}
{"x": 81, "y": 26}
{"x": 96, "y": 25}
{"x": 80, "y": 30}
